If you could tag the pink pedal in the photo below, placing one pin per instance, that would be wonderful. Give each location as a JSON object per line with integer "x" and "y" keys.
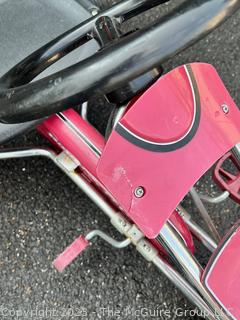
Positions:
{"x": 227, "y": 180}
{"x": 70, "y": 254}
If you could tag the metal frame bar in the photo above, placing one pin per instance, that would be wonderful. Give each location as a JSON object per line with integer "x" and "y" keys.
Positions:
{"x": 23, "y": 101}
{"x": 170, "y": 238}
{"x": 236, "y": 152}
{"x": 84, "y": 111}
{"x": 197, "y": 231}
{"x": 183, "y": 286}
{"x": 194, "y": 290}
{"x": 205, "y": 215}
{"x": 188, "y": 265}
{"x": 214, "y": 200}
{"x": 109, "y": 240}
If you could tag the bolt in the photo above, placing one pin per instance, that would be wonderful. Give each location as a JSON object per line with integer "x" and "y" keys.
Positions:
{"x": 139, "y": 192}
{"x": 94, "y": 12}
{"x": 147, "y": 248}
{"x": 123, "y": 223}
{"x": 225, "y": 108}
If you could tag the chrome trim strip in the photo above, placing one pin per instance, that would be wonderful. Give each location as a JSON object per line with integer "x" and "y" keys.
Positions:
{"x": 77, "y": 132}
{"x": 179, "y": 233}
{"x": 188, "y": 264}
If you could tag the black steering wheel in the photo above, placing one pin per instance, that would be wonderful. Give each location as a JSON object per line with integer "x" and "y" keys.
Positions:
{"x": 110, "y": 68}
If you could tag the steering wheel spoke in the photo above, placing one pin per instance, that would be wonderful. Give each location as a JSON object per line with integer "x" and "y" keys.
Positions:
{"x": 109, "y": 69}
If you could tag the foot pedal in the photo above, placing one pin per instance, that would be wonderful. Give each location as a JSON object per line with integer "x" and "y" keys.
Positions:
{"x": 226, "y": 179}
{"x": 70, "y": 254}
{"x": 80, "y": 244}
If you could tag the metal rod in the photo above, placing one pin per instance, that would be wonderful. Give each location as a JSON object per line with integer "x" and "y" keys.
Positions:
{"x": 177, "y": 249}
{"x": 183, "y": 286}
{"x": 92, "y": 193}
{"x": 188, "y": 264}
{"x": 214, "y": 200}
{"x": 84, "y": 111}
{"x": 109, "y": 69}
{"x": 205, "y": 215}
{"x": 236, "y": 152}
{"x": 169, "y": 238}
{"x": 27, "y": 152}
{"x": 197, "y": 231}
{"x": 88, "y": 188}
{"x": 111, "y": 241}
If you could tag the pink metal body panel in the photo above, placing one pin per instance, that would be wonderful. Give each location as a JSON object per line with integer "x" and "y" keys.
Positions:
{"x": 59, "y": 131}
{"x": 222, "y": 275}
{"x": 166, "y": 141}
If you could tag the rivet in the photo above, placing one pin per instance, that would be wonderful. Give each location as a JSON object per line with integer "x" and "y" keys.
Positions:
{"x": 94, "y": 12}
{"x": 225, "y": 108}
{"x": 139, "y": 192}
{"x": 147, "y": 248}
{"x": 123, "y": 223}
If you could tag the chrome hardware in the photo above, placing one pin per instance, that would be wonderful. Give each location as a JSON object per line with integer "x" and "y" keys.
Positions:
{"x": 134, "y": 234}
{"x": 109, "y": 240}
{"x": 193, "y": 290}
{"x": 84, "y": 111}
{"x": 120, "y": 223}
{"x": 188, "y": 265}
{"x": 197, "y": 231}
{"x": 139, "y": 192}
{"x": 147, "y": 250}
{"x": 225, "y": 108}
{"x": 236, "y": 152}
{"x": 67, "y": 161}
{"x": 205, "y": 215}
{"x": 214, "y": 200}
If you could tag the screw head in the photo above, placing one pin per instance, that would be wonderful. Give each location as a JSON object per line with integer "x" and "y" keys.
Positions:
{"x": 94, "y": 12}
{"x": 139, "y": 192}
{"x": 123, "y": 223}
{"x": 225, "y": 108}
{"x": 147, "y": 248}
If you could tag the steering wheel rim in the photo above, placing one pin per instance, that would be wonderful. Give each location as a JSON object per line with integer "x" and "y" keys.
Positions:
{"x": 22, "y": 100}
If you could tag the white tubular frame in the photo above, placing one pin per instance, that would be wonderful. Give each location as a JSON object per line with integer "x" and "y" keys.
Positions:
{"x": 190, "y": 284}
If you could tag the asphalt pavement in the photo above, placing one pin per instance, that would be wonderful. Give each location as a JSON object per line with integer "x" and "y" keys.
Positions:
{"x": 42, "y": 211}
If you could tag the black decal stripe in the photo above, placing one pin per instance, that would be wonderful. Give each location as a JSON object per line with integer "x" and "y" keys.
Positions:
{"x": 171, "y": 146}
